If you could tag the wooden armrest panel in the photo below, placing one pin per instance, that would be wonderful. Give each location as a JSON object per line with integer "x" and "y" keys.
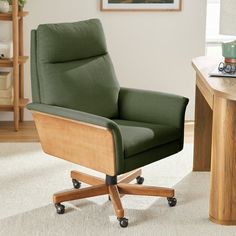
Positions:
{"x": 78, "y": 142}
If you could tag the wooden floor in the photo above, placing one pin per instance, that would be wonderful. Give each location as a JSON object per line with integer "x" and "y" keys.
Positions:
{"x": 28, "y": 133}
{"x": 189, "y": 132}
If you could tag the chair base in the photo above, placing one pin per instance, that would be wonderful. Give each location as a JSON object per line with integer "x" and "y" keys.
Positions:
{"x": 114, "y": 187}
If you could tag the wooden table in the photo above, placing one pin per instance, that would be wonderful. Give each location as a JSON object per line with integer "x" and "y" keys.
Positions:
{"x": 215, "y": 138}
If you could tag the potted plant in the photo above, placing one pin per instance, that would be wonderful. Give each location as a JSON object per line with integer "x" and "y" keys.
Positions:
{"x": 21, "y": 3}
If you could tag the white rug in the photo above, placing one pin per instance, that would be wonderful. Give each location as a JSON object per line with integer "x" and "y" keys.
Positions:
{"x": 28, "y": 178}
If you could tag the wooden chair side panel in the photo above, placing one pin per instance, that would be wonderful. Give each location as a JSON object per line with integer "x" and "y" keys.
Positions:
{"x": 81, "y": 143}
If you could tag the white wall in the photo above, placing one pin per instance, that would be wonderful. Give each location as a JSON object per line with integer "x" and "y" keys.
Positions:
{"x": 150, "y": 50}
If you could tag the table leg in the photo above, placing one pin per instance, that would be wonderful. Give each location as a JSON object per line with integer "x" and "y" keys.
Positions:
{"x": 223, "y": 174}
{"x": 202, "y": 134}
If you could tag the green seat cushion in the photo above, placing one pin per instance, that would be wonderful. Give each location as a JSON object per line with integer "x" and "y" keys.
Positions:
{"x": 139, "y": 137}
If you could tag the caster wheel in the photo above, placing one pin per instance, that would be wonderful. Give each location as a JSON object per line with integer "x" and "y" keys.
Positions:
{"x": 60, "y": 208}
{"x": 172, "y": 201}
{"x": 76, "y": 183}
{"x": 123, "y": 222}
{"x": 140, "y": 180}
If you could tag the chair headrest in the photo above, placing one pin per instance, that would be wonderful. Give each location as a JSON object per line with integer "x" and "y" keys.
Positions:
{"x": 70, "y": 41}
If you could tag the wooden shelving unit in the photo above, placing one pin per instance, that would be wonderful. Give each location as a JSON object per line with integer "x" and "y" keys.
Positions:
{"x": 8, "y": 16}
{"x": 16, "y": 63}
{"x": 9, "y": 62}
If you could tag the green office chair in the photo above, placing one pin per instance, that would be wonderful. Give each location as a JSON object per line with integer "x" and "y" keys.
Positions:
{"x": 83, "y": 116}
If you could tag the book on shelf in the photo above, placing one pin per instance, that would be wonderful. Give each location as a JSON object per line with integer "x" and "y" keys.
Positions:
{"x": 6, "y": 91}
{"x": 6, "y": 101}
{"x": 5, "y": 80}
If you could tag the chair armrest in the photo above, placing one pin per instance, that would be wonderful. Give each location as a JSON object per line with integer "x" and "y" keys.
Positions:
{"x": 73, "y": 114}
{"x": 86, "y": 118}
{"x": 152, "y": 107}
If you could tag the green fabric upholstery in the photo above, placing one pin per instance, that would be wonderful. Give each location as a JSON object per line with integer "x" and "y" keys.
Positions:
{"x": 70, "y": 41}
{"x": 139, "y": 136}
{"x": 73, "y": 77}
{"x": 79, "y": 83}
{"x": 72, "y": 61}
{"x": 152, "y": 107}
{"x": 152, "y": 155}
{"x": 34, "y": 73}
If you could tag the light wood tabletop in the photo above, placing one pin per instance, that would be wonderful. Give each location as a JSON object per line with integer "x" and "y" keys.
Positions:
{"x": 221, "y": 86}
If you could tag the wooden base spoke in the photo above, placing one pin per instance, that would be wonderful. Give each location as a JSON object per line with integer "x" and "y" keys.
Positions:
{"x": 127, "y": 178}
{"x": 85, "y": 178}
{"x": 115, "y": 198}
{"x": 134, "y": 189}
{"x": 80, "y": 193}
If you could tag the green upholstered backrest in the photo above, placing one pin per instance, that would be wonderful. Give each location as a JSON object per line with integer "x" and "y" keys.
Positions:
{"x": 71, "y": 68}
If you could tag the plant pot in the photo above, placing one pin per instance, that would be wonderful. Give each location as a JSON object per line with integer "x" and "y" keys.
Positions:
{"x": 19, "y": 8}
